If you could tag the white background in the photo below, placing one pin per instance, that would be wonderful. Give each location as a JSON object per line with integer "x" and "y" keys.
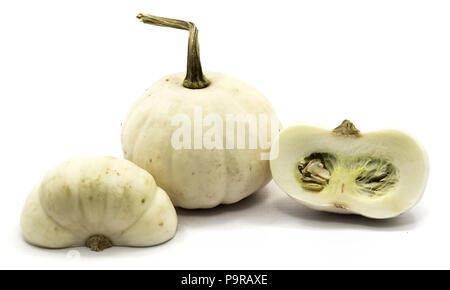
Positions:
{"x": 69, "y": 70}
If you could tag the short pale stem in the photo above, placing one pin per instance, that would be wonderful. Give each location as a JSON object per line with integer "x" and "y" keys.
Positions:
{"x": 347, "y": 128}
{"x": 194, "y": 75}
{"x": 98, "y": 243}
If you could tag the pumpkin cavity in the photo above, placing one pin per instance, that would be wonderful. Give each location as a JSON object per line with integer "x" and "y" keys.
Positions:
{"x": 370, "y": 176}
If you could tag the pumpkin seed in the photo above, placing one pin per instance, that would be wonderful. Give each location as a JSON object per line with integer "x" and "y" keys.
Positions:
{"x": 373, "y": 176}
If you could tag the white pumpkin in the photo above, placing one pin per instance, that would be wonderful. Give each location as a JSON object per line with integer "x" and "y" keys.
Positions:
{"x": 98, "y": 202}
{"x": 378, "y": 175}
{"x": 196, "y": 177}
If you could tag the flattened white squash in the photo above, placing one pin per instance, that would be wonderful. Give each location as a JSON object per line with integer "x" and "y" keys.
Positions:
{"x": 98, "y": 202}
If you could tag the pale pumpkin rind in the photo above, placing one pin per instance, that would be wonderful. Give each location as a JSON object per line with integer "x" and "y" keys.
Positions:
{"x": 105, "y": 196}
{"x": 200, "y": 178}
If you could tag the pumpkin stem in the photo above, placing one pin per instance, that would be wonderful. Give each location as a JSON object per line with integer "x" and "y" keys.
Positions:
{"x": 98, "y": 243}
{"x": 347, "y": 128}
{"x": 194, "y": 76}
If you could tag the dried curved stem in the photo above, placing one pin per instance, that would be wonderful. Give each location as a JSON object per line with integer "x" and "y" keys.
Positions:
{"x": 194, "y": 75}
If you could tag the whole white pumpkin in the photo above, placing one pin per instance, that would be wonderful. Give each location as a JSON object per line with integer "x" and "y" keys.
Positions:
{"x": 98, "y": 202}
{"x": 197, "y": 178}
{"x": 200, "y": 175}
